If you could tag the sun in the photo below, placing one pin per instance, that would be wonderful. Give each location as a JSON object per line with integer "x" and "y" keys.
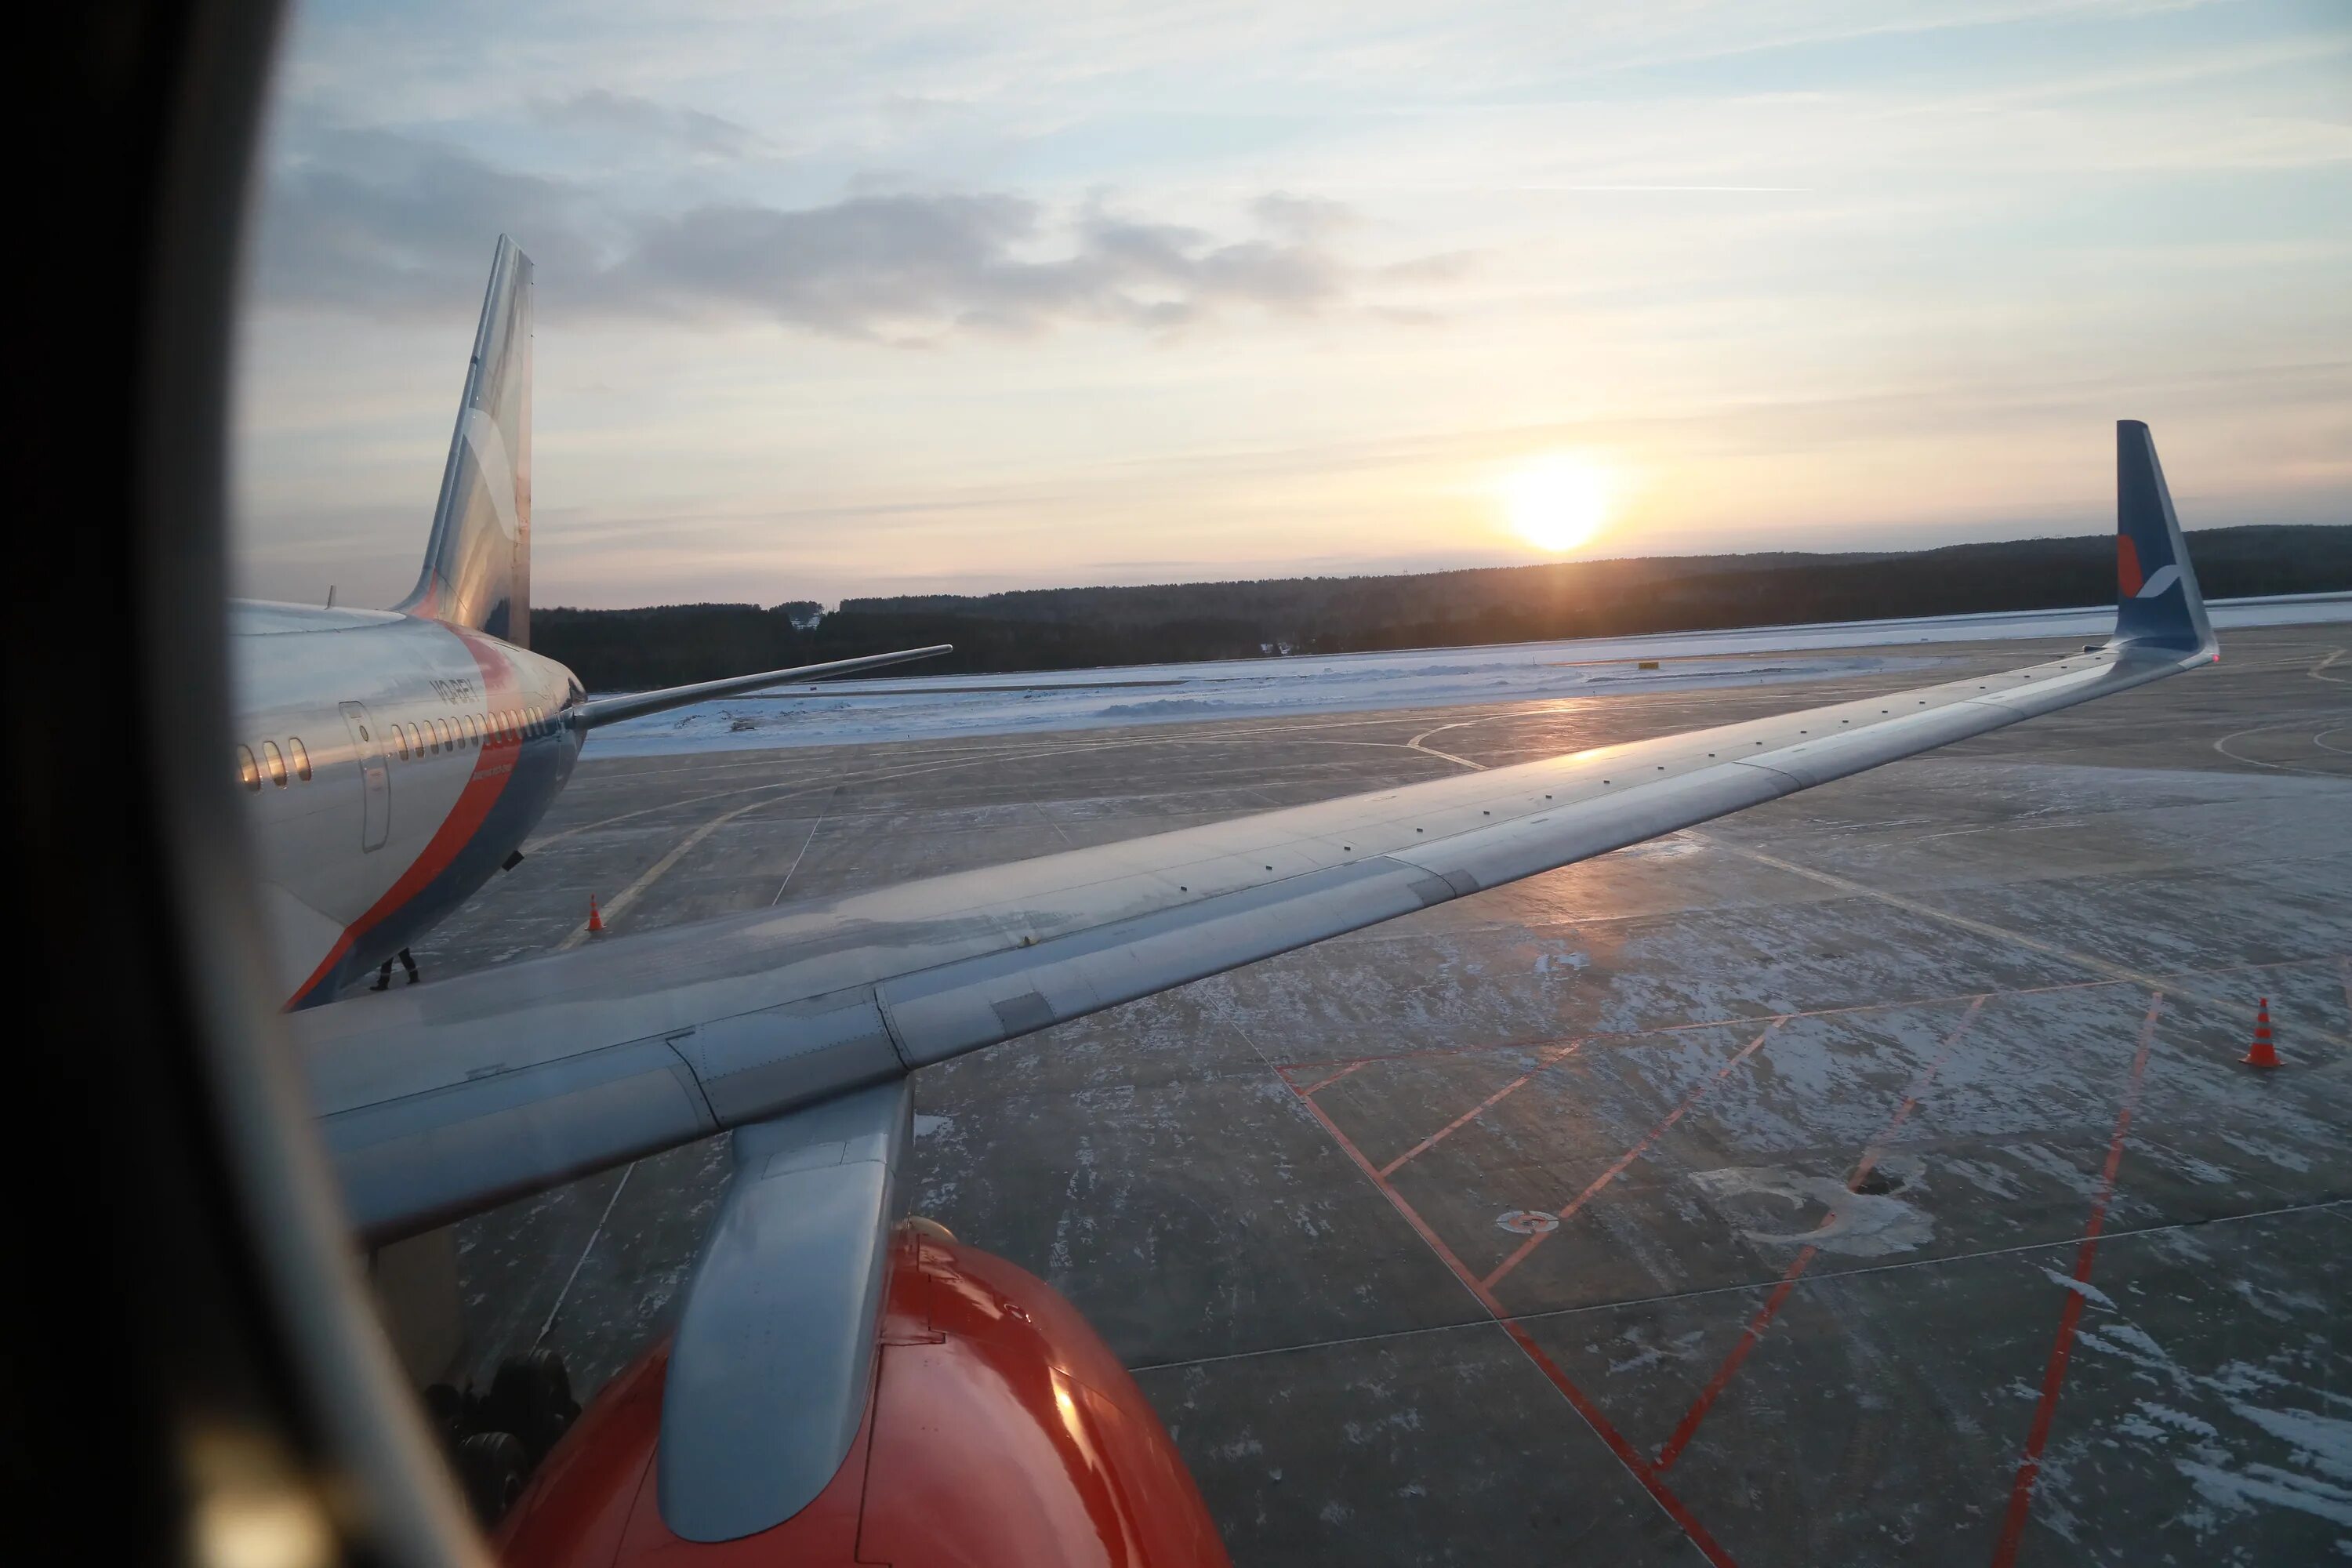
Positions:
{"x": 1556, "y": 502}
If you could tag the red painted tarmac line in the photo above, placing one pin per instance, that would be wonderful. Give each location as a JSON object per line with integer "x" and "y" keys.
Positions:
{"x": 1629, "y": 1155}
{"x": 1322, "y": 1084}
{"x": 1552, "y": 1057}
{"x": 1640, "y": 1469}
{"x": 1749, "y": 1337}
{"x": 2053, "y": 1377}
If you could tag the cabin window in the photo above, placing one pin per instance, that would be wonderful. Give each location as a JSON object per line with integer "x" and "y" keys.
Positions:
{"x": 246, "y": 773}
{"x": 473, "y": 734}
{"x": 440, "y": 734}
{"x": 416, "y": 744}
{"x": 301, "y": 759}
{"x": 275, "y": 761}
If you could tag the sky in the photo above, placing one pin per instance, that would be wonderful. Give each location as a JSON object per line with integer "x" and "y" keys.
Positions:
{"x": 850, "y": 299}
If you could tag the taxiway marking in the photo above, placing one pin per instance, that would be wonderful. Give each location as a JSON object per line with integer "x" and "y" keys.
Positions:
{"x": 655, "y": 872}
{"x": 1641, "y": 1469}
{"x": 1552, "y": 1056}
{"x": 578, "y": 1263}
{"x": 2053, "y": 1377}
{"x": 1753, "y": 1334}
{"x": 2114, "y": 972}
{"x": 1629, "y": 1155}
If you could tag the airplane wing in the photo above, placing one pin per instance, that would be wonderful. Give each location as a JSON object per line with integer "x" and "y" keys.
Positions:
{"x": 439, "y": 1100}
{"x": 599, "y": 711}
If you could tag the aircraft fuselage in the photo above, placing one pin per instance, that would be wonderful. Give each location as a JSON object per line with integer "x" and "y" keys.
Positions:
{"x": 389, "y": 764}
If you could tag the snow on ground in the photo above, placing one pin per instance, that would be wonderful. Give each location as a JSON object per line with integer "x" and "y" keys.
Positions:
{"x": 915, "y": 707}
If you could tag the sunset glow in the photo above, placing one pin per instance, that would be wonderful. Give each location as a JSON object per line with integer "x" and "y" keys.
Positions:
{"x": 1559, "y": 502}
{"x": 897, "y": 299}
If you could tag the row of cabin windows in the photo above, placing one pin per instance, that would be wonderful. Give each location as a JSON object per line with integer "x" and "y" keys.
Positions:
{"x": 273, "y": 761}
{"x": 426, "y": 737}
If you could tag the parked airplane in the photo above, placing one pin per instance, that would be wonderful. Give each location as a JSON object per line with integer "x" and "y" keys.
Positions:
{"x": 843, "y": 1385}
{"x": 392, "y": 760}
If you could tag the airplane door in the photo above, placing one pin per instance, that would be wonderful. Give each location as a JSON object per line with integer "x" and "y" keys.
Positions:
{"x": 375, "y": 778}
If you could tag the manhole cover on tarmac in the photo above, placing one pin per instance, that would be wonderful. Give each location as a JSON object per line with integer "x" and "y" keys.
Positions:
{"x": 1527, "y": 1222}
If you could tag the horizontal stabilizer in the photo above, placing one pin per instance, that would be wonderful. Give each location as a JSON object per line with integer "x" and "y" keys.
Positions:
{"x": 637, "y": 704}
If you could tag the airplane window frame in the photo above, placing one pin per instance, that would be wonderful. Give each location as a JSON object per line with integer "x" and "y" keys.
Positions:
{"x": 248, "y": 770}
{"x": 300, "y": 755}
{"x": 273, "y": 763}
{"x": 258, "y": 1390}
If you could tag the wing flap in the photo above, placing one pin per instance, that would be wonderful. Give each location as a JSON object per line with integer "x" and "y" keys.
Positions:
{"x": 408, "y": 1164}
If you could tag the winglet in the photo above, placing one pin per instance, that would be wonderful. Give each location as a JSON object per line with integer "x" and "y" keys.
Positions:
{"x": 2157, "y": 604}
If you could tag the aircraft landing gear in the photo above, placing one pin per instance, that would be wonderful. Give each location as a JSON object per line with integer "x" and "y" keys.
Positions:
{"x": 491, "y": 1468}
{"x": 496, "y": 1439}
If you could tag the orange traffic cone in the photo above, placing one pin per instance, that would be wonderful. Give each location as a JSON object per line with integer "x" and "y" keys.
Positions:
{"x": 596, "y": 922}
{"x": 2262, "y": 1054}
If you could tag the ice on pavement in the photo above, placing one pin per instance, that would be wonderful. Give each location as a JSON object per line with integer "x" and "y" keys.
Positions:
{"x": 916, "y": 707}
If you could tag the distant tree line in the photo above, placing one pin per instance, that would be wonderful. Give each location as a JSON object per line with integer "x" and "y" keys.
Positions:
{"x": 1074, "y": 628}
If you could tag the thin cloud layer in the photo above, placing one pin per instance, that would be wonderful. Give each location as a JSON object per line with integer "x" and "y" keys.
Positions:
{"x": 1274, "y": 288}
{"x": 380, "y": 222}
{"x": 626, "y": 117}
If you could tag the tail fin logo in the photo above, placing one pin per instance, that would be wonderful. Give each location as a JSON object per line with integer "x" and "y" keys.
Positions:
{"x": 2127, "y": 571}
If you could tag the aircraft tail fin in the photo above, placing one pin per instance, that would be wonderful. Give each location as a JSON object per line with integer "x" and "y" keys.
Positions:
{"x": 478, "y": 563}
{"x": 2157, "y": 604}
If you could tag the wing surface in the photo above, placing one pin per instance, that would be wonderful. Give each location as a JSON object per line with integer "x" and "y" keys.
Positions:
{"x": 599, "y": 711}
{"x": 439, "y": 1100}
{"x": 798, "y": 1026}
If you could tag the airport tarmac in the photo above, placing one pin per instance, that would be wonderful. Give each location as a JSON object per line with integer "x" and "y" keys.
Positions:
{"x": 1869, "y": 1177}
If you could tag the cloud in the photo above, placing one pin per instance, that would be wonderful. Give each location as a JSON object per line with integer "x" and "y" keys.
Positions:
{"x": 599, "y": 111}
{"x": 384, "y": 222}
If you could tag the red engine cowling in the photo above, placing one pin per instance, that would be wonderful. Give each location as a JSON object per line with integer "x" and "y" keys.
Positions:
{"x": 1001, "y": 1430}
